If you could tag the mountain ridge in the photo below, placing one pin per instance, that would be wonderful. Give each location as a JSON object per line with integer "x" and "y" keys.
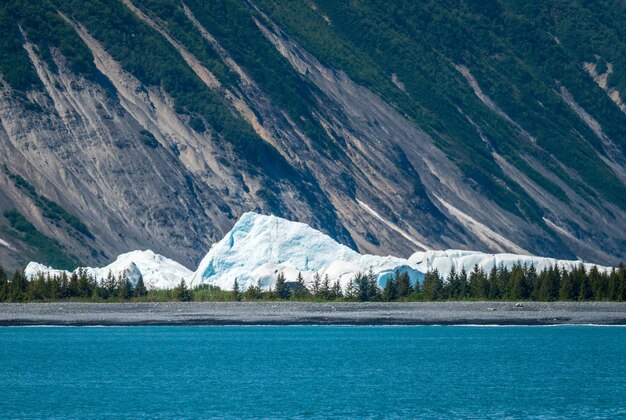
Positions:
{"x": 457, "y": 126}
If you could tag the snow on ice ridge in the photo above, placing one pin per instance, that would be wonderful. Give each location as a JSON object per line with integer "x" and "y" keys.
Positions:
{"x": 158, "y": 272}
{"x": 259, "y": 247}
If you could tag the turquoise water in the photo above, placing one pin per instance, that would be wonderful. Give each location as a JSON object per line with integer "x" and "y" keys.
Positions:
{"x": 238, "y": 372}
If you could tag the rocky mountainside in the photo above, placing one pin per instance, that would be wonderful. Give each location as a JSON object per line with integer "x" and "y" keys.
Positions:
{"x": 391, "y": 126}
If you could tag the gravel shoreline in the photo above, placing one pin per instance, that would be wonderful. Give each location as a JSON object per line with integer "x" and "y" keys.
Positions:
{"x": 306, "y": 313}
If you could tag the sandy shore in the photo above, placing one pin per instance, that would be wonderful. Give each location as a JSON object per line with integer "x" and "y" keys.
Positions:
{"x": 301, "y": 313}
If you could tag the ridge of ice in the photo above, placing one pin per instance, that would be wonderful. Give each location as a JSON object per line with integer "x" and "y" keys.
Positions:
{"x": 259, "y": 247}
{"x": 158, "y": 272}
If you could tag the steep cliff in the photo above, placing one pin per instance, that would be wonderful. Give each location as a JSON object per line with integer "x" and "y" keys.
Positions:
{"x": 393, "y": 127}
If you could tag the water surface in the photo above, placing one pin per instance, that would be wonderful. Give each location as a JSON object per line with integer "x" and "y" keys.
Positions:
{"x": 239, "y": 372}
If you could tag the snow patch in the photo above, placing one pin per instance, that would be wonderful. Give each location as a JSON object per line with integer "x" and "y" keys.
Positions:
{"x": 7, "y": 245}
{"x": 489, "y": 102}
{"x": 391, "y": 225}
{"x": 617, "y": 160}
{"x": 483, "y": 232}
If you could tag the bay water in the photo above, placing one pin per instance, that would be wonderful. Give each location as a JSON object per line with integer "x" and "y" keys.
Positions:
{"x": 313, "y": 372}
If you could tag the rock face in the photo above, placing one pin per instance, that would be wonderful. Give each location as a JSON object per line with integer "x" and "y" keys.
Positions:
{"x": 159, "y": 131}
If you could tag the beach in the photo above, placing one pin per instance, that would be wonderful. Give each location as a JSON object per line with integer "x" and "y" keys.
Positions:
{"x": 313, "y": 313}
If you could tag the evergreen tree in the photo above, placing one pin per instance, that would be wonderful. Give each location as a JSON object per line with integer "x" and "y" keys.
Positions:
{"x": 325, "y": 288}
{"x": 53, "y": 286}
{"x": 584, "y": 289}
{"x": 463, "y": 285}
{"x": 478, "y": 283}
{"x": 451, "y": 287}
{"x": 504, "y": 276}
{"x": 390, "y": 292}
{"x": 72, "y": 286}
{"x": 519, "y": 288}
{"x": 109, "y": 286}
{"x": 417, "y": 291}
{"x": 336, "y": 292}
{"x": 598, "y": 284}
{"x": 613, "y": 286}
{"x": 37, "y": 289}
{"x": 300, "y": 291}
{"x": 404, "y": 284}
{"x": 549, "y": 291}
{"x": 495, "y": 285}
{"x": 124, "y": 287}
{"x": 281, "y": 289}
{"x": 18, "y": 287}
{"x": 182, "y": 293}
{"x": 253, "y": 292}
{"x": 566, "y": 290}
{"x": 235, "y": 294}
{"x": 64, "y": 290}
{"x": 351, "y": 290}
{"x": 4, "y": 285}
{"x": 86, "y": 283}
{"x": 140, "y": 287}
{"x": 316, "y": 285}
{"x": 433, "y": 286}
{"x": 373, "y": 291}
{"x": 621, "y": 271}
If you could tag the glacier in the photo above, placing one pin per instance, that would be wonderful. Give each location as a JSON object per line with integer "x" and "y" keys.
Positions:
{"x": 157, "y": 271}
{"x": 259, "y": 247}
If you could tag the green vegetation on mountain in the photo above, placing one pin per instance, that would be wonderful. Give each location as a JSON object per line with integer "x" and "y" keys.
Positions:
{"x": 530, "y": 149}
{"x": 51, "y": 210}
{"x": 515, "y": 60}
{"x": 47, "y": 249}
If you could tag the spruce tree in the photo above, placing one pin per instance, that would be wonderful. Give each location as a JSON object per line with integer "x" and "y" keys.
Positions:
{"x": 495, "y": 287}
{"x": 351, "y": 290}
{"x": 124, "y": 288}
{"x": 4, "y": 285}
{"x": 325, "y": 288}
{"x": 300, "y": 291}
{"x": 281, "y": 289}
{"x": 566, "y": 290}
{"x": 18, "y": 287}
{"x": 621, "y": 272}
{"x": 182, "y": 293}
{"x": 404, "y": 284}
{"x": 433, "y": 286}
{"x": 336, "y": 291}
{"x": 584, "y": 289}
{"x": 373, "y": 291}
{"x": 598, "y": 283}
{"x": 235, "y": 294}
{"x": 253, "y": 292}
{"x": 72, "y": 286}
{"x": 316, "y": 285}
{"x": 390, "y": 292}
{"x": 85, "y": 285}
{"x": 140, "y": 287}
{"x": 109, "y": 286}
{"x": 463, "y": 287}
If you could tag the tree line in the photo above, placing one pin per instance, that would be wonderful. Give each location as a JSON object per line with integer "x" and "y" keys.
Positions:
{"x": 519, "y": 283}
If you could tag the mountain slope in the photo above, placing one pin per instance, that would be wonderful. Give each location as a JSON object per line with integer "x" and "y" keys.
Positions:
{"x": 391, "y": 126}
